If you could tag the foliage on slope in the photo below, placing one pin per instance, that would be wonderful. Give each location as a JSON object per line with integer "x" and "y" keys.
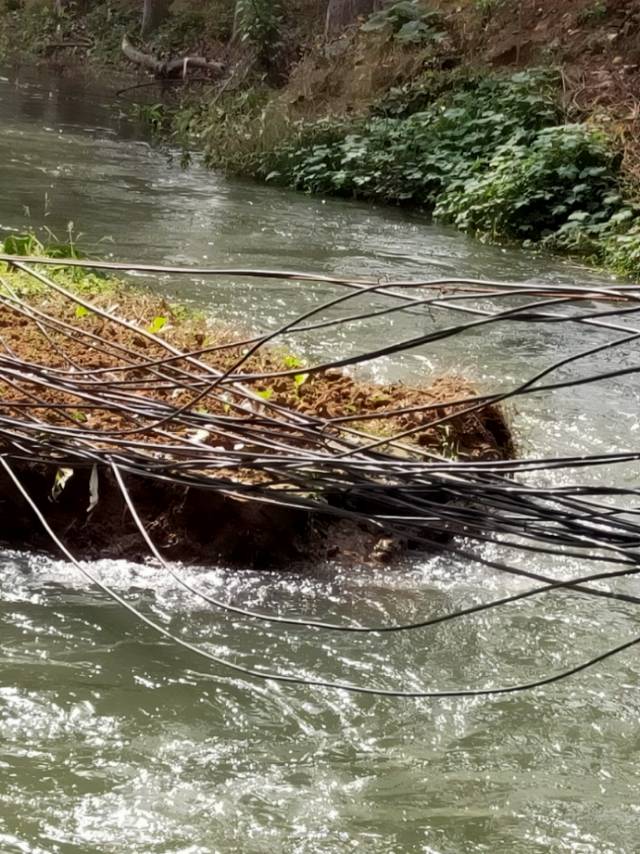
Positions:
{"x": 422, "y": 103}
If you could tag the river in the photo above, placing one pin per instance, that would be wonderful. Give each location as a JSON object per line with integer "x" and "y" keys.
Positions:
{"x": 112, "y": 740}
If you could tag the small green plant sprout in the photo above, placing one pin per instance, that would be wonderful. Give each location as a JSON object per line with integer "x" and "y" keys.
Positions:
{"x": 63, "y": 476}
{"x": 81, "y": 311}
{"x": 265, "y": 393}
{"x": 157, "y": 324}
{"x": 79, "y": 416}
{"x": 291, "y": 361}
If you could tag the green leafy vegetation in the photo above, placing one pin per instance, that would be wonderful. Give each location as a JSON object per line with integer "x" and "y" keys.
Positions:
{"x": 621, "y": 251}
{"x": 259, "y": 23}
{"x": 490, "y": 153}
{"x": 408, "y": 21}
{"x": 36, "y": 24}
{"x": 415, "y": 157}
{"x": 191, "y": 24}
{"x": 562, "y": 178}
{"x": 491, "y": 157}
{"x": 155, "y": 116}
{"x": 420, "y": 93}
{"x": 81, "y": 280}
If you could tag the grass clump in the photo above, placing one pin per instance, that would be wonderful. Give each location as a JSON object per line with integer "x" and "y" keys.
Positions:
{"x": 232, "y": 133}
{"x": 82, "y": 281}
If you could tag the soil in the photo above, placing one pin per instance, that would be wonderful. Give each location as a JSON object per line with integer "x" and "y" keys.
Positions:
{"x": 328, "y": 394}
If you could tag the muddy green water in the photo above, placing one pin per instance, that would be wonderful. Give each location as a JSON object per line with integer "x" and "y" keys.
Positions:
{"x": 111, "y": 740}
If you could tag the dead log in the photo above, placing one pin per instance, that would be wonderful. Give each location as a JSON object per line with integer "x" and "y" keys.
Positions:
{"x": 171, "y": 67}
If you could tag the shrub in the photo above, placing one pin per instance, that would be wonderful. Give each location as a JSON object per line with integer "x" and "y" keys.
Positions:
{"x": 232, "y": 132}
{"x": 566, "y": 175}
{"x": 409, "y": 22}
{"x": 415, "y": 158}
{"x": 621, "y": 251}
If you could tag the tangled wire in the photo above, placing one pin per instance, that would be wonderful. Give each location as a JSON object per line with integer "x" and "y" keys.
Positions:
{"x": 177, "y": 418}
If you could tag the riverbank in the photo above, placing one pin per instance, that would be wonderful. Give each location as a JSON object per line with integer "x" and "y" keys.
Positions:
{"x": 105, "y": 373}
{"x": 521, "y": 132}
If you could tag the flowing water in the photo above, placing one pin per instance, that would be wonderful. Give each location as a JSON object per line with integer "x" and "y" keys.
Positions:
{"x": 113, "y": 740}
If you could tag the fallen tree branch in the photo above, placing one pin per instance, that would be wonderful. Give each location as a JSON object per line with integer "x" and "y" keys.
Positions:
{"x": 168, "y": 68}
{"x": 174, "y": 65}
{"x": 66, "y": 45}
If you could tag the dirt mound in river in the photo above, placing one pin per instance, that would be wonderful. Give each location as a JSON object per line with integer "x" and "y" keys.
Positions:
{"x": 190, "y": 522}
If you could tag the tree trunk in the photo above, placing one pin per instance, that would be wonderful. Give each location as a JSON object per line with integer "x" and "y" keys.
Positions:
{"x": 153, "y": 14}
{"x": 342, "y": 13}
